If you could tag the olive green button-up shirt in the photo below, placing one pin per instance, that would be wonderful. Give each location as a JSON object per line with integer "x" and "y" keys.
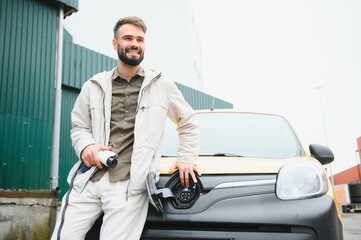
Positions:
{"x": 124, "y": 103}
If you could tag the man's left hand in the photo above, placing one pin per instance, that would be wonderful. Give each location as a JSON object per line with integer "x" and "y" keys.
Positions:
{"x": 185, "y": 169}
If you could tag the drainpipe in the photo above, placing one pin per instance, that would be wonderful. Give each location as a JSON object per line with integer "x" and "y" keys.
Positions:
{"x": 54, "y": 172}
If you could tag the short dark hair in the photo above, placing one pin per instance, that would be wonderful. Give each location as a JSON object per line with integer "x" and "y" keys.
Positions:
{"x": 134, "y": 20}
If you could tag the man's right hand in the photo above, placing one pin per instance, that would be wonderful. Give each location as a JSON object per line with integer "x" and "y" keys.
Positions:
{"x": 90, "y": 154}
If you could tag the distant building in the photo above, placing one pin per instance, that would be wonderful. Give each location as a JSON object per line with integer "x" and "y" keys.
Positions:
{"x": 351, "y": 175}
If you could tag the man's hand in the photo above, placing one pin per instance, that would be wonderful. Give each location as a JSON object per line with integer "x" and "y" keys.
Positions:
{"x": 185, "y": 169}
{"x": 90, "y": 154}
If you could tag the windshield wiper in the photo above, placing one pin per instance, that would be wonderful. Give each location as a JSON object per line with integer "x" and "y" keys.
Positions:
{"x": 223, "y": 155}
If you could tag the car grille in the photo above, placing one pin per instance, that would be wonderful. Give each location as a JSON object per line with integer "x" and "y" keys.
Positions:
{"x": 222, "y": 231}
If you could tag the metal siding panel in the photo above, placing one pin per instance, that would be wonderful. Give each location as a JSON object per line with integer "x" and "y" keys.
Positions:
{"x": 6, "y": 152}
{"x": 94, "y": 61}
{"x": 32, "y": 63}
{"x": 26, "y": 24}
{"x": 72, "y": 65}
{"x": 25, "y": 151}
{"x": 27, "y": 73}
{"x": 48, "y": 66}
{"x": 11, "y": 68}
{"x": 37, "y": 52}
{"x": 67, "y": 42}
{"x": 77, "y": 69}
{"x": 87, "y": 64}
{"x": 67, "y": 154}
{"x": 203, "y": 98}
{"x": 82, "y": 64}
{"x": 4, "y": 23}
{"x": 3, "y": 27}
{"x": 16, "y": 41}
{"x": 3, "y": 155}
{"x": 199, "y": 100}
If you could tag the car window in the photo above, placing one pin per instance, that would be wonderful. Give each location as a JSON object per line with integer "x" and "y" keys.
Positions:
{"x": 239, "y": 134}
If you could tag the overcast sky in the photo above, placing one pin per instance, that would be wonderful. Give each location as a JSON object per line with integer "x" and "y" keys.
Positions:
{"x": 262, "y": 55}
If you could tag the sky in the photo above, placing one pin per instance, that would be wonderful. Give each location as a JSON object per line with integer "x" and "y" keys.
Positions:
{"x": 299, "y": 59}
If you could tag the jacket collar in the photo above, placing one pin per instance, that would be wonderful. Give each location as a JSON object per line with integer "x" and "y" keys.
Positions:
{"x": 105, "y": 78}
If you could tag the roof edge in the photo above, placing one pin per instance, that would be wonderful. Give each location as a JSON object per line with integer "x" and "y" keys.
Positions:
{"x": 70, "y": 6}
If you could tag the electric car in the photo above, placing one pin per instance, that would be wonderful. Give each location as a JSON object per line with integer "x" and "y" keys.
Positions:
{"x": 257, "y": 183}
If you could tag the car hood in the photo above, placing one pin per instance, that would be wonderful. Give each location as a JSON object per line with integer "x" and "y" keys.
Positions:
{"x": 242, "y": 165}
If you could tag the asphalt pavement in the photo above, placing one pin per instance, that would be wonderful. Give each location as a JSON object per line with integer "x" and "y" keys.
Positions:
{"x": 351, "y": 226}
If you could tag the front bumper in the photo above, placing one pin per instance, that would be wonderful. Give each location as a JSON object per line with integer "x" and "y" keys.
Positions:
{"x": 252, "y": 214}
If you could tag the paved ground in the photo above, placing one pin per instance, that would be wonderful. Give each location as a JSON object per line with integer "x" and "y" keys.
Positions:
{"x": 351, "y": 226}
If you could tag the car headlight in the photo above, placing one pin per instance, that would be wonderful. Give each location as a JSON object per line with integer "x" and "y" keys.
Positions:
{"x": 301, "y": 180}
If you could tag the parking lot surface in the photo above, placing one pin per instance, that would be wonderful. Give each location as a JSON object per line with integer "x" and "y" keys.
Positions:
{"x": 351, "y": 226}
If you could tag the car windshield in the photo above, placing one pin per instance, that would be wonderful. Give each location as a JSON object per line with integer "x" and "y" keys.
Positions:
{"x": 239, "y": 135}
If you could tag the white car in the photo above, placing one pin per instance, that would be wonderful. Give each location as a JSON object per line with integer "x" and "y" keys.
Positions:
{"x": 257, "y": 182}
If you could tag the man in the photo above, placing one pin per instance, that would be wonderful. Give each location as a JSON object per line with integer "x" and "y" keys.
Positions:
{"x": 123, "y": 110}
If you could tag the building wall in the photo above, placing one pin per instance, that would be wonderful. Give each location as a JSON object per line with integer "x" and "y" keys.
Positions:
{"x": 27, "y": 65}
{"x": 350, "y": 175}
{"x": 353, "y": 174}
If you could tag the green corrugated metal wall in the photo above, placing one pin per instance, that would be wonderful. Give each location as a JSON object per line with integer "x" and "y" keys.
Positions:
{"x": 27, "y": 65}
{"x": 200, "y": 100}
{"x": 27, "y": 70}
{"x": 80, "y": 63}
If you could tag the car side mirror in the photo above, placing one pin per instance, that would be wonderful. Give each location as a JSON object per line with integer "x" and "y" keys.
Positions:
{"x": 322, "y": 153}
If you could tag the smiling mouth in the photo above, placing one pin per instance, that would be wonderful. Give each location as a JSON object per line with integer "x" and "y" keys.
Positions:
{"x": 134, "y": 55}
{"x": 133, "y": 52}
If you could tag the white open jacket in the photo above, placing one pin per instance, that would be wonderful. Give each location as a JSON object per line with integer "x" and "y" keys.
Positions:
{"x": 158, "y": 99}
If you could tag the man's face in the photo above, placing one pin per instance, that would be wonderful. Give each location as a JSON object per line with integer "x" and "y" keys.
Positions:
{"x": 130, "y": 44}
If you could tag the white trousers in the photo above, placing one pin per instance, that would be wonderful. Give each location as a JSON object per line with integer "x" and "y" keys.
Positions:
{"x": 124, "y": 217}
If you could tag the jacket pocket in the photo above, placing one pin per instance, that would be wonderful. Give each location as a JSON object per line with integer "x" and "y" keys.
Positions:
{"x": 73, "y": 171}
{"x": 81, "y": 179}
{"x": 142, "y": 159}
{"x": 149, "y": 125}
{"x": 97, "y": 118}
{"x": 95, "y": 106}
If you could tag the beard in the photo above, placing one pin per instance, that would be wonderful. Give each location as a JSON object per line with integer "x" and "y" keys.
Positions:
{"x": 129, "y": 61}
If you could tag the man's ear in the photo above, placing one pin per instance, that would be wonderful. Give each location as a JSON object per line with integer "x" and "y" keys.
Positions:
{"x": 115, "y": 44}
